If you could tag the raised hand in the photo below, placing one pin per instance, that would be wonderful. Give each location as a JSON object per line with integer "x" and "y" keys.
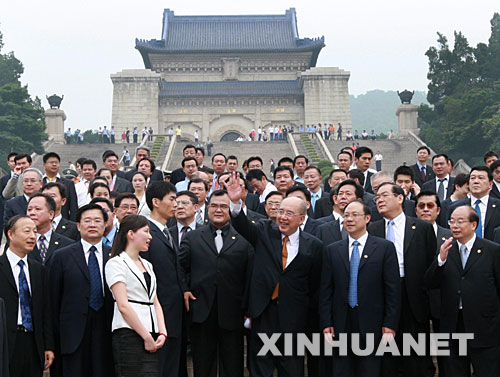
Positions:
{"x": 445, "y": 248}
{"x": 233, "y": 188}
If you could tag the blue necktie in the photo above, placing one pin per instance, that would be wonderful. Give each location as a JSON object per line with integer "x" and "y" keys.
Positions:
{"x": 25, "y": 299}
{"x": 390, "y": 235}
{"x": 96, "y": 299}
{"x": 479, "y": 229}
{"x": 352, "y": 295}
{"x": 314, "y": 198}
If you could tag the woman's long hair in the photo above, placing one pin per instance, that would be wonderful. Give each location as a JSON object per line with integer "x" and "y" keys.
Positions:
{"x": 129, "y": 222}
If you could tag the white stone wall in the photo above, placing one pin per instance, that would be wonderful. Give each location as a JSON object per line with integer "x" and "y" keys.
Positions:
{"x": 135, "y": 100}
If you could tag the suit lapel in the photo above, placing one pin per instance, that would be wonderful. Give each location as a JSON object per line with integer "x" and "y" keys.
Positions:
{"x": 231, "y": 238}
{"x": 368, "y": 250}
{"x": 154, "y": 229}
{"x": 474, "y": 256}
{"x": 208, "y": 238}
{"x": 277, "y": 245}
{"x": 410, "y": 228}
{"x": 7, "y": 271}
{"x": 344, "y": 254}
{"x": 490, "y": 209}
{"x": 79, "y": 257}
{"x": 34, "y": 280}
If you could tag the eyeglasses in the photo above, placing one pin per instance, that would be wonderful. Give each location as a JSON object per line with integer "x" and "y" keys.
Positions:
{"x": 88, "y": 221}
{"x": 273, "y": 204}
{"x": 428, "y": 205}
{"x": 353, "y": 215}
{"x": 31, "y": 180}
{"x": 282, "y": 212}
{"x": 223, "y": 207}
{"x": 383, "y": 196}
{"x": 126, "y": 208}
{"x": 457, "y": 222}
{"x": 183, "y": 202}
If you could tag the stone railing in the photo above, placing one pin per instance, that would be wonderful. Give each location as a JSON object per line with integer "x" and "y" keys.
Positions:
{"x": 293, "y": 145}
{"x": 169, "y": 154}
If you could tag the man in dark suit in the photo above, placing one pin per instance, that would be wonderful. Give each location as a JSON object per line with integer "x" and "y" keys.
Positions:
{"x": 81, "y": 301}
{"x": 310, "y": 224}
{"x": 285, "y": 279}
{"x": 23, "y": 287}
{"x": 363, "y": 159}
{"x": 360, "y": 291}
{"x": 428, "y": 209}
{"x": 487, "y": 207}
{"x": 218, "y": 262}
{"x": 283, "y": 178}
{"x": 415, "y": 243}
{"x": 495, "y": 171}
{"x": 421, "y": 171}
{"x": 200, "y": 188}
{"x": 31, "y": 183}
{"x": 140, "y": 153}
{"x": 41, "y": 209}
{"x": 60, "y": 225}
{"x": 324, "y": 205}
{"x": 312, "y": 180}
{"x": 467, "y": 270}
{"x": 110, "y": 161}
{"x": 162, "y": 253}
{"x": 442, "y": 184}
{"x": 178, "y": 174}
{"x": 3, "y": 183}
{"x": 51, "y": 164}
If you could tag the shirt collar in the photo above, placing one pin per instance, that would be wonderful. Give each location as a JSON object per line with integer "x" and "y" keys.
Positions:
{"x": 294, "y": 237}
{"x": 446, "y": 179}
{"x": 192, "y": 226}
{"x": 469, "y": 243}
{"x": 421, "y": 166}
{"x": 483, "y": 200}
{"x": 47, "y": 236}
{"x": 158, "y": 224}
{"x": 398, "y": 220}
{"x": 225, "y": 230}
{"x": 86, "y": 246}
{"x": 56, "y": 220}
{"x": 361, "y": 240}
{"x": 14, "y": 259}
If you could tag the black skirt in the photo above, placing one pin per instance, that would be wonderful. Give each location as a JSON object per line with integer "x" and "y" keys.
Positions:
{"x": 131, "y": 359}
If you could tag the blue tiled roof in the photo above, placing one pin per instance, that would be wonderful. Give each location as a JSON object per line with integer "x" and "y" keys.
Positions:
{"x": 231, "y": 89}
{"x": 229, "y": 33}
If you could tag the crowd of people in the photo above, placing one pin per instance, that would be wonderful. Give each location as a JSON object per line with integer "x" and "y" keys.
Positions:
{"x": 107, "y": 135}
{"x": 114, "y": 273}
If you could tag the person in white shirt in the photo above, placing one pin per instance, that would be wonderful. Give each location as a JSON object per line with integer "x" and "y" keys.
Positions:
{"x": 89, "y": 168}
{"x": 138, "y": 324}
{"x": 259, "y": 183}
{"x": 189, "y": 166}
{"x": 199, "y": 187}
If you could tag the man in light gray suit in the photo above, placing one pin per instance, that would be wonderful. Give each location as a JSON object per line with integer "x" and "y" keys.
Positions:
{"x": 427, "y": 208}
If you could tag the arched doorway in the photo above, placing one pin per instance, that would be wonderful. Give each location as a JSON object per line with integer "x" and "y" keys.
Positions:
{"x": 230, "y": 136}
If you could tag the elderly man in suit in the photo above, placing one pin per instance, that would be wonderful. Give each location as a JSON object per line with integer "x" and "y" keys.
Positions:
{"x": 360, "y": 291}
{"x": 23, "y": 287}
{"x": 415, "y": 243}
{"x": 467, "y": 271}
{"x": 41, "y": 209}
{"x": 82, "y": 304}
{"x": 310, "y": 224}
{"x": 163, "y": 254}
{"x": 421, "y": 171}
{"x": 31, "y": 183}
{"x": 218, "y": 262}
{"x": 285, "y": 279}
{"x": 442, "y": 184}
{"x": 60, "y": 225}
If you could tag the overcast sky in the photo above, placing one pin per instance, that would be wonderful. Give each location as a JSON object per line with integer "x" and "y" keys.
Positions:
{"x": 71, "y": 48}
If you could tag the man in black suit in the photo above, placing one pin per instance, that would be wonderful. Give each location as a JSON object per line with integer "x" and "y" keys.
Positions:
{"x": 312, "y": 180}
{"x": 359, "y": 177}
{"x": 60, "y": 225}
{"x": 178, "y": 174}
{"x": 187, "y": 206}
{"x": 415, "y": 243}
{"x": 82, "y": 304}
{"x": 110, "y": 161}
{"x": 442, "y": 184}
{"x": 324, "y": 206}
{"x": 285, "y": 279}
{"x": 200, "y": 188}
{"x": 421, "y": 171}
{"x": 41, "y": 209}
{"x": 405, "y": 178}
{"x": 51, "y": 164}
{"x": 467, "y": 270}
{"x": 140, "y": 153}
{"x": 428, "y": 209}
{"x": 162, "y": 253}
{"x": 23, "y": 287}
{"x": 3, "y": 183}
{"x": 31, "y": 183}
{"x": 310, "y": 224}
{"x": 363, "y": 159}
{"x": 495, "y": 171}
{"x": 218, "y": 262}
{"x": 487, "y": 207}
{"x": 283, "y": 178}
{"x": 360, "y": 291}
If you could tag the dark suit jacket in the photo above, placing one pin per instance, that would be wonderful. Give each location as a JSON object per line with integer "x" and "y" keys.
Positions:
{"x": 252, "y": 201}
{"x": 478, "y": 286}
{"x": 15, "y": 206}
{"x": 431, "y": 186}
{"x": 299, "y": 282}
{"x": 492, "y": 218}
{"x": 166, "y": 268}
{"x": 329, "y": 232}
{"x": 42, "y": 324}
{"x": 70, "y": 291}
{"x": 57, "y": 242}
{"x": 122, "y": 185}
{"x": 435, "y": 294}
{"x": 177, "y": 176}
{"x": 368, "y": 184}
{"x": 494, "y": 192}
{"x": 379, "y": 295}
{"x": 3, "y": 183}
{"x": 224, "y": 275}
{"x": 496, "y": 235}
{"x": 254, "y": 216}
{"x": 68, "y": 210}
{"x": 323, "y": 207}
{"x": 429, "y": 174}
{"x": 156, "y": 176}
{"x": 312, "y": 225}
{"x": 4, "y": 349}
{"x": 175, "y": 234}
{"x": 68, "y": 229}
{"x": 419, "y": 252}
{"x": 121, "y": 174}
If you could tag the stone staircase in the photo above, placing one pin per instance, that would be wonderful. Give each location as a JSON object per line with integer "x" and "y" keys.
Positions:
{"x": 308, "y": 146}
{"x": 159, "y": 150}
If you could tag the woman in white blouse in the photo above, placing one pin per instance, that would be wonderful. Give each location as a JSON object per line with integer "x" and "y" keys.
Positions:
{"x": 139, "y": 182}
{"x": 138, "y": 323}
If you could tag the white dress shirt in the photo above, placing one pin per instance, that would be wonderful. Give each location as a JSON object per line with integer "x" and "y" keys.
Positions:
{"x": 16, "y": 269}
{"x": 361, "y": 246}
{"x": 98, "y": 254}
{"x": 445, "y": 184}
{"x": 292, "y": 246}
{"x": 182, "y": 185}
{"x": 82, "y": 189}
{"x": 269, "y": 187}
{"x": 483, "y": 206}
{"x": 179, "y": 229}
{"x": 55, "y": 221}
{"x": 399, "y": 234}
{"x": 302, "y": 226}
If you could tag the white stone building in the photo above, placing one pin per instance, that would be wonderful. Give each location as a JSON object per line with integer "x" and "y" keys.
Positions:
{"x": 227, "y": 75}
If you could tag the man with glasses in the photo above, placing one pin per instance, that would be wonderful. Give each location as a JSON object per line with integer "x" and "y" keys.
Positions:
{"x": 365, "y": 297}
{"x": 125, "y": 204}
{"x": 31, "y": 183}
{"x": 185, "y": 222}
{"x": 467, "y": 270}
{"x": 216, "y": 263}
{"x": 272, "y": 205}
{"x": 282, "y": 288}
{"x": 415, "y": 243}
{"x": 199, "y": 187}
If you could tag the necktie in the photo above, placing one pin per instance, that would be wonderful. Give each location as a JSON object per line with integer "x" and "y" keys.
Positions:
{"x": 479, "y": 229}
{"x": 422, "y": 171}
{"x": 218, "y": 240}
{"x": 313, "y": 200}
{"x": 463, "y": 255}
{"x": 169, "y": 237}
{"x": 390, "y": 236}
{"x": 352, "y": 295}
{"x": 25, "y": 299}
{"x": 96, "y": 299}
{"x": 42, "y": 248}
{"x": 440, "y": 192}
{"x": 185, "y": 230}
{"x": 198, "y": 218}
{"x": 284, "y": 257}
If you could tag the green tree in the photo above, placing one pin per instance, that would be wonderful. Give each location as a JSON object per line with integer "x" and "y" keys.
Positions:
{"x": 22, "y": 122}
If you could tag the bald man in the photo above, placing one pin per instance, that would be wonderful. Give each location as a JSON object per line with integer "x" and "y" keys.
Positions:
{"x": 285, "y": 279}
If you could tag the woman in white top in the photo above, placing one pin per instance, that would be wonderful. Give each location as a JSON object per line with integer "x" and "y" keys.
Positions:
{"x": 139, "y": 182}
{"x": 138, "y": 323}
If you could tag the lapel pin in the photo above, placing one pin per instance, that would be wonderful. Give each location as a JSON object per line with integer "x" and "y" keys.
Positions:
{"x": 109, "y": 254}
{"x": 479, "y": 251}
{"x": 253, "y": 221}
{"x": 365, "y": 256}
{"x": 233, "y": 237}
{"x": 57, "y": 242}
{"x": 444, "y": 239}
{"x": 413, "y": 227}
{"x": 64, "y": 226}
{"x": 493, "y": 205}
